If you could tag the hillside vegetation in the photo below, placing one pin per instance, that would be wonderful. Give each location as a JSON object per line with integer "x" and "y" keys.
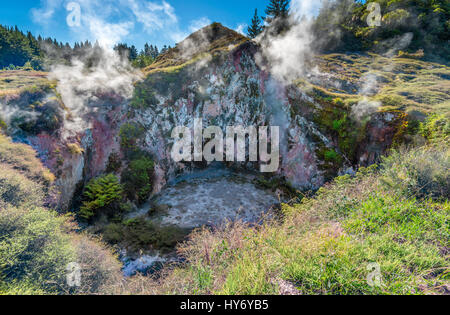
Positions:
{"x": 36, "y": 243}
{"x": 202, "y": 44}
{"x": 404, "y": 84}
{"x": 395, "y": 215}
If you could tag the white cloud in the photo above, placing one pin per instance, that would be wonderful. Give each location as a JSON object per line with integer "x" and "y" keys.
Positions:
{"x": 46, "y": 12}
{"x": 306, "y": 8}
{"x": 195, "y": 25}
{"x": 241, "y": 28}
{"x": 111, "y": 21}
{"x": 153, "y": 16}
{"x": 108, "y": 34}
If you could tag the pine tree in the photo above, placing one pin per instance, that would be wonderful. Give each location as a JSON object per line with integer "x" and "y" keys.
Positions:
{"x": 277, "y": 9}
{"x": 277, "y": 16}
{"x": 256, "y": 27}
{"x": 133, "y": 53}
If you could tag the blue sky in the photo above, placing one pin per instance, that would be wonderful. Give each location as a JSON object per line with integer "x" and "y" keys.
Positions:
{"x": 133, "y": 21}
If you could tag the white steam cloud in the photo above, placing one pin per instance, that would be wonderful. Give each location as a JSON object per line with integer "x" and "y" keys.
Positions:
{"x": 81, "y": 86}
{"x": 370, "y": 83}
{"x": 365, "y": 106}
{"x": 287, "y": 54}
{"x": 9, "y": 112}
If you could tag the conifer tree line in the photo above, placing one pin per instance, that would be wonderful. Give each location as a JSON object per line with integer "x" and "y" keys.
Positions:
{"x": 143, "y": 58}
{"x": 23, "y": 50}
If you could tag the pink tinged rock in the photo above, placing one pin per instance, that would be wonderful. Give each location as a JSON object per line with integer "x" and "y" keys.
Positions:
{"x": 211, "y": 110}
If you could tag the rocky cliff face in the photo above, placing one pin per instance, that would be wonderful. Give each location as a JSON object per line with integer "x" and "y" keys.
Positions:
{"x": 226, "y": 89}
{"x": 36, "y": 117}
{"x": 221, "y": 83}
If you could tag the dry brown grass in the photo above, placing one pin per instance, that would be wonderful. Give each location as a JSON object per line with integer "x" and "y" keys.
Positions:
{"x": 206, "y": 42}
{"x": 13, "y": 82}
{"x": 23, "y": 158}
{"x": 405, "y": 84}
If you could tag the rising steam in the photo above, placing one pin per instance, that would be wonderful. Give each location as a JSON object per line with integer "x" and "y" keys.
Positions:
{"x": 81, "y": 84}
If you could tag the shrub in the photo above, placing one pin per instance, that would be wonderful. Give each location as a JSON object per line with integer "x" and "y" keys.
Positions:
{"x": 34, "y": 251}
{"x": 332, "y": 156}
{"x": 139, "y": 233}
{"x": 435, "y": 128}
{"x": 75, "y": 149}
{"x": 102, "y": 195}
{"x": 137, "y": 179}
{"x": 424, "y": 172}
{"x": 129, "y": 134}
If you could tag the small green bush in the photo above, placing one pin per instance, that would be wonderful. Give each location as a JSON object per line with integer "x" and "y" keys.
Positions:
{"x": 130, "y": 133}
{"x": 139, "y": 233}
{"x": 102, "y": 195}
{"x": 424, "y": 172}
{"x": 34, "y": 251}
{"x": 137, "y": 179}
{"x": 332, "y": 156}
{"x": 436, "y": 128}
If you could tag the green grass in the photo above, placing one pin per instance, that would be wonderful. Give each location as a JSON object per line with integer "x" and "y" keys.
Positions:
{"x": 18, "y": 81}
{"x": 406, "y": 84}
{"x": 326, "y": 244}
{"x": 37, "y": 243}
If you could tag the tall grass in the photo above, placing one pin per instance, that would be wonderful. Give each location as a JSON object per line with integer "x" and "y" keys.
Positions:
{"x": 329, "y": 243}
{"x": 37, "y": 244}
{"x": 23, "y": 158}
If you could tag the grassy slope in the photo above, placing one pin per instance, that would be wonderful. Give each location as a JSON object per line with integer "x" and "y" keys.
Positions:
{"x": 202, "y": 44}
{"x": 36, "y": 243}
{"x": 325, "y": 244}
{"x": 396, "y": 216}
{"x": 14, "y": 82}
{"x": 406, "y": 84}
